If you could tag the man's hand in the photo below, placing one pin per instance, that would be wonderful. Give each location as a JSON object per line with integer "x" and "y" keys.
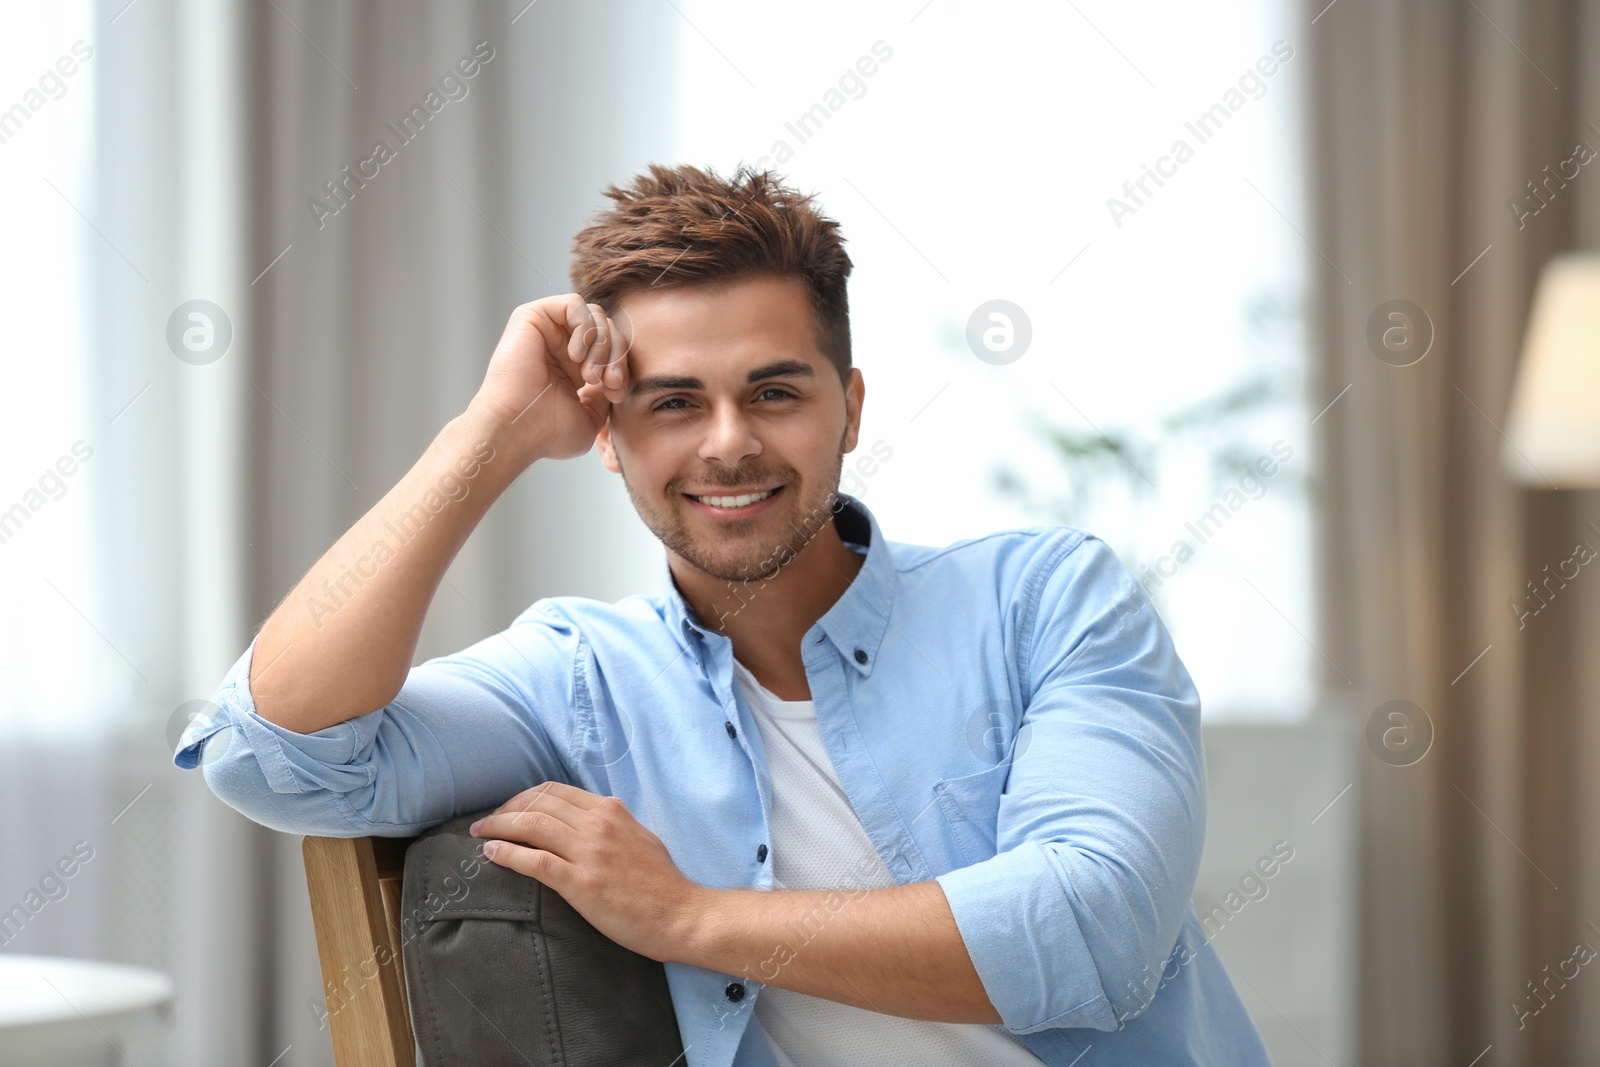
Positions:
{"x": 559, "y": 366}
{"x": 603, "y": 861}
{"x": 900, "y": 942}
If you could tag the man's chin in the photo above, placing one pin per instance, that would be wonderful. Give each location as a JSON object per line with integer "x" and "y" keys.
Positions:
{"x": 716, "y": 559}
{"x": 762, "y": 561}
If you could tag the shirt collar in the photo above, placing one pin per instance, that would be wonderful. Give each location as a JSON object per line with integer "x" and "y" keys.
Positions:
{"x": 858, "y": 619}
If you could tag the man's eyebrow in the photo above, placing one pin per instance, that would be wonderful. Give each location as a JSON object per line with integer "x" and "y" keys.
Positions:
{"x": 784, "y": 368}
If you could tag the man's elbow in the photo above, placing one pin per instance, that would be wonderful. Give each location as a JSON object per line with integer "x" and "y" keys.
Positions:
{"x": 1132, "y": 922}
{"x": 238, "y": 781}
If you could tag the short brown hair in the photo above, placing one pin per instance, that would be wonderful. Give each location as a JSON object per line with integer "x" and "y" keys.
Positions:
{"x": 680, "y": 226}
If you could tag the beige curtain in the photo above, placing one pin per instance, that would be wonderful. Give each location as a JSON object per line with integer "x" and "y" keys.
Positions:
{"x": 356, "y": 335}
{"x": 374, "y": 328}
{"x": 1481, "y": 861}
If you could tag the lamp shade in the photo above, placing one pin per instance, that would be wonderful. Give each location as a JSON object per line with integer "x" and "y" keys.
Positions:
{"x": 1554, "y": 427}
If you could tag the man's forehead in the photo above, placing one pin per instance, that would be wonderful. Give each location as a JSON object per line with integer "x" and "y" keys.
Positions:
{"x": 729, "y": 308}
{"x": 728, "y": 335}
{"x": 714, "y": 334}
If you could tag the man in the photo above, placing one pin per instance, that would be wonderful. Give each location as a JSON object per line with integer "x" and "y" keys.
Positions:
{"x": 899, "y": 804}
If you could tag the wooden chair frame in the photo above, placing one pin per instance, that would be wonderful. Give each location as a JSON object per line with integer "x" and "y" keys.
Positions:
{"x": 354, "y": 884}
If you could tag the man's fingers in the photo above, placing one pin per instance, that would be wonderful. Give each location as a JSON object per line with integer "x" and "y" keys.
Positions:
{"x": 561, "y": 791}
{"x": 606, "y": 343}
{"x": 522, "y": 800}
{"x": 593, "y": 335}
{"x": 588, "y": 345}
{"x": 616, "y": 376}
{"x": 538, "y": 864}
{"x": 536, "y": 829}
{"x": 580, "y": 798}
{"x": 580, "y": 320}
{"x": 552, "y": 816}
{"x": 545, "y": 827}
{"x": 594, "y": 398}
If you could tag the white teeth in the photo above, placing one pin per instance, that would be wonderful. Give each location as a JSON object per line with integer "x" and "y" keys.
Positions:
{"x": 734, "y": 501}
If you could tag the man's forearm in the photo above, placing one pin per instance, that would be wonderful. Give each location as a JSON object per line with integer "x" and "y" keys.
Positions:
{"x": 895, "y": 950}
{"x": 340, "y": 644}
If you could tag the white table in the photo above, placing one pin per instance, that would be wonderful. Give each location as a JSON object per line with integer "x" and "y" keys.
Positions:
{"x": 65, "y": 1012}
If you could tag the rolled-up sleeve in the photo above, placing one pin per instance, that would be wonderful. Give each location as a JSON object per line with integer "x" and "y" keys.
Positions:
{"x": 466, "y": 732}
{"x": 1102, "y": 819}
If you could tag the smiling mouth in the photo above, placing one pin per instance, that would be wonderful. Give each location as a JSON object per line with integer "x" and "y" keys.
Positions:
{"x": 736, "y": 502}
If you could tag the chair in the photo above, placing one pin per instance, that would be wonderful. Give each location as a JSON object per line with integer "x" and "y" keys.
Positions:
{"x": 504, "y": 972}
{"x": 354, "y": 884}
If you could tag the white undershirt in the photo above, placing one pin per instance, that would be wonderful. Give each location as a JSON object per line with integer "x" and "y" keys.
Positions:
{"x": 818, "y": 843}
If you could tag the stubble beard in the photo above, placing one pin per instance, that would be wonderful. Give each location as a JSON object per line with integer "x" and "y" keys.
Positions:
{"x": 738, "y": 556}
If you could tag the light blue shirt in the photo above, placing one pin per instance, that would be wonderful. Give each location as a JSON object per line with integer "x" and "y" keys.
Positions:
{"x": 1007, "y": 715}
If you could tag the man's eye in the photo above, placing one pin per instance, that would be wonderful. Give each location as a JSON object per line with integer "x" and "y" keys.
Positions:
{"x": 782, "y": 394}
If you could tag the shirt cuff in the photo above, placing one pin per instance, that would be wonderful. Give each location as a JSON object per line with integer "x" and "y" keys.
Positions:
{"x": 1024, "y": 940}
{"x": 290, "y": 762}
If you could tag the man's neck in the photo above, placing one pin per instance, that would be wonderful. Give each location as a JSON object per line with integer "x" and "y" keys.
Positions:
{"x": 767, "y": 619}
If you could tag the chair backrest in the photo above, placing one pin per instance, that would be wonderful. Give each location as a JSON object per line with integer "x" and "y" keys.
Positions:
{"x": 512, "y": 956}
{"x": 354, "y": 884}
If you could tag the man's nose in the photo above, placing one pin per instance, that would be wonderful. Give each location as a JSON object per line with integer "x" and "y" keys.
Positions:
{"x": 730, "y": 436}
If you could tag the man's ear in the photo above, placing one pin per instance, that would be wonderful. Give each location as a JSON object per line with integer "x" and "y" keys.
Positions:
{"x": 608, "y": 452}
{"x": 855, "y": 392}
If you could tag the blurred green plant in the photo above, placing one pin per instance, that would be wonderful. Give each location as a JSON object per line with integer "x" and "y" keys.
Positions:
{"x": 1099, "y": 464}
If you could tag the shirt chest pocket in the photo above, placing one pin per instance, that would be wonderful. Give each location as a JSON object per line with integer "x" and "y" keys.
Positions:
{"x": 970, "y": 805}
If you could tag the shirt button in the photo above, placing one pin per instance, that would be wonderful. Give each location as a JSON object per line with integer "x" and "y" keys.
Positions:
{"x": 735, "y": 991}
{"x": 731, "y": 731}
{"x": 761, "y": 853}
{"x": 861, "y": 655}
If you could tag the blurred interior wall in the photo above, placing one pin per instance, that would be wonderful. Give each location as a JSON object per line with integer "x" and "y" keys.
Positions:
{"x": 1481, "y": 862}
{"x": 365, "y": 290}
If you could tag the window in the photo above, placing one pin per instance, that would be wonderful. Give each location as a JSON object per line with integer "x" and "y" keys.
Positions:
{"x": 50, "y": 654}
{"x": 1030, "y": 153}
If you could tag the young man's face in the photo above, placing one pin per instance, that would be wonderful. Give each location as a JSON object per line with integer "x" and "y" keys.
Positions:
{"x": 695, "y": 424}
